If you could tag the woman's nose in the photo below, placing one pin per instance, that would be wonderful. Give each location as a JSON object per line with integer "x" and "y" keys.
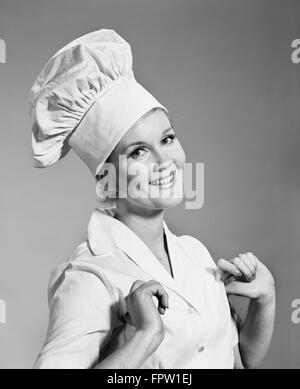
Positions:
{"x": 163, "y": 164}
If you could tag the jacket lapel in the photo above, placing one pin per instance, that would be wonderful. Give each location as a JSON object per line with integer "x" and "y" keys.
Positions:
{"x": 105, "y": 232}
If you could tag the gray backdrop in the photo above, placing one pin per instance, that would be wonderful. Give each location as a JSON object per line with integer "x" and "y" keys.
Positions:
{"x": 224, "y": 70}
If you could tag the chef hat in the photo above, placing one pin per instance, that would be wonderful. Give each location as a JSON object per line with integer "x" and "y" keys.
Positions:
{"x": 86, "y": 98}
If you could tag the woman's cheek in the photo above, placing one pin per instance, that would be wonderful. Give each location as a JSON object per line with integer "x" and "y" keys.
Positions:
{"x": 137, "y": 178}
{"x": 181, "y": 156}
{"x": 177, "y": 155}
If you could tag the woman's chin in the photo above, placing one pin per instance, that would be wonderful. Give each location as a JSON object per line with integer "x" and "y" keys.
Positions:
{"x": 167, "y": 198}
{"x": 168, "y": 202}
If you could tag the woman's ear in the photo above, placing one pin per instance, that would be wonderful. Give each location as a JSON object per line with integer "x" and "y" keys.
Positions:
{"x": 106, "y": 186}
{"x": 105, "y": 198}
{"x": 100, "y": 190}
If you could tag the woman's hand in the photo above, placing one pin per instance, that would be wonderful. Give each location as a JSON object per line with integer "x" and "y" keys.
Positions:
{"x": 142, "y": 311}
{"x": 247, "y": 276}
{"x": 144, "y": 319}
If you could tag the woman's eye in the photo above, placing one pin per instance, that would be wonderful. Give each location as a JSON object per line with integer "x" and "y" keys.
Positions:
{"x": 170, "y": 137}
{"x": 136, "y": 153}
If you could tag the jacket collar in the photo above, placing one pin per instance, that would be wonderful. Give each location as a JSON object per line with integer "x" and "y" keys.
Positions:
{"x": 106, "y": 232}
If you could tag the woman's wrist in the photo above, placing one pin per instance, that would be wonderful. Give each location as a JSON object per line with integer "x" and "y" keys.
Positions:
{"x": 267, "y": 296}
{"x": 149, "y": 338}
{"x": 134, "y": 352}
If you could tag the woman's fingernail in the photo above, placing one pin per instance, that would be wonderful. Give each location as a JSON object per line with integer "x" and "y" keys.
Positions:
{"x": 238, "y": 272}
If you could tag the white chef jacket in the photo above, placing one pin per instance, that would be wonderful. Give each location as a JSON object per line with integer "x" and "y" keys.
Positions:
{"x": 87, "y": 294}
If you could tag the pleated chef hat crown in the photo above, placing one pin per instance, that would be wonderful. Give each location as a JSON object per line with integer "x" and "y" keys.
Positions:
{"x": 86, "y": 98}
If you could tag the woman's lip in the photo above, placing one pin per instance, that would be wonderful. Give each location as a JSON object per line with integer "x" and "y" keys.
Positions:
{"x": 170, "y": 176}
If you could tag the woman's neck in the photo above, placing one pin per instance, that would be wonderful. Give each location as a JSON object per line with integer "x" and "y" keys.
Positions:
{"x": 149, "y": 228}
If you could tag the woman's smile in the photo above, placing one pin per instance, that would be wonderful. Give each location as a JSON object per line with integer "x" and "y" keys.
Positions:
{"x": 165, "y": 182}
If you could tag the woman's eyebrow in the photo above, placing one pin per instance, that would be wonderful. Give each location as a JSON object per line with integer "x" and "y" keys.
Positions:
{"x": 142, "y": 142}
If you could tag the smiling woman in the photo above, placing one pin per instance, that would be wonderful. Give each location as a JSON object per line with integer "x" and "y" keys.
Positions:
{"x": 133, "y": 294}
{"x": 150, "y": 174}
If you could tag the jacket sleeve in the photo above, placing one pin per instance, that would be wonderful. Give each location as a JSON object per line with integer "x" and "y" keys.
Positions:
{"x": 236, "y": 323}
{"x": 81, "y": 319}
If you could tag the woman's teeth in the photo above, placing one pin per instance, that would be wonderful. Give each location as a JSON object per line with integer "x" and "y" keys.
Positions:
{"x": 164, "y": 181}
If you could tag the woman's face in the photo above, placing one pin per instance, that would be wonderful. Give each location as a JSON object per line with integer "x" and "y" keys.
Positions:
{"x": 150, "y": 152}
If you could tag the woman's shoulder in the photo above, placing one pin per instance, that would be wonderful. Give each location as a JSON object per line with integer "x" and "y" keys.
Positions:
{"x": 81, "y": 264}
{"x": 191, "y": 242}
{"x": 80, "y": 252}
{"x": 193, "y": 246}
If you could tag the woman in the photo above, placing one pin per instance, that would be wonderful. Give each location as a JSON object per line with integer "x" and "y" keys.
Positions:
{"x": 133, "y": 294}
